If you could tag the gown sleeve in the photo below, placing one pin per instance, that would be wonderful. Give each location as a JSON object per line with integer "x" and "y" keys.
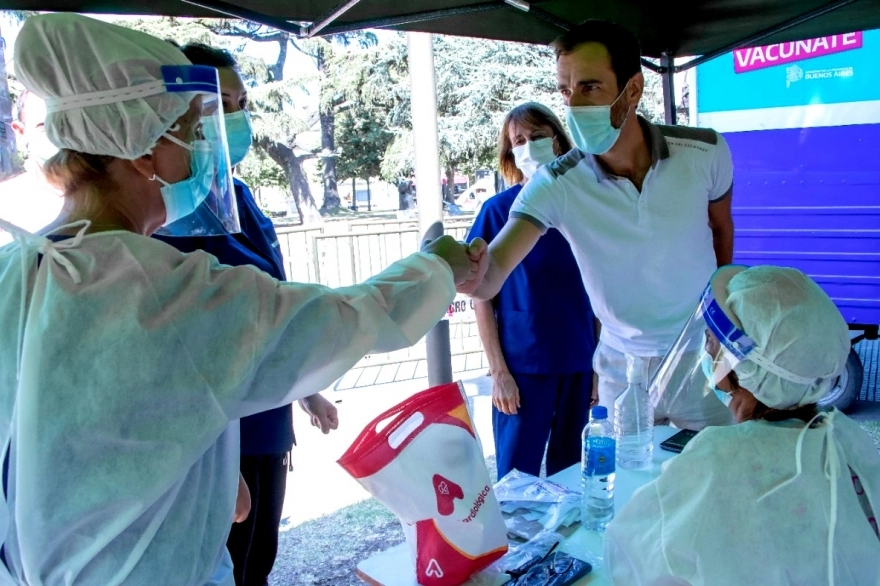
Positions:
{"x": 634, "y": 551}
{"x": 259, "y": 343}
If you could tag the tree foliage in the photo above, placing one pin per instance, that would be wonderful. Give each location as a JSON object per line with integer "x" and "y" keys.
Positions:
{"x": 362, "y": 107}
{"x": 362, "y": 139}
{"x": 477, "y": 81}
{"x": 277, "y": 122}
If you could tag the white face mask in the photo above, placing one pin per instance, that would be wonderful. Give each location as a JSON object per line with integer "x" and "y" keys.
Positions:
{"x": 533, "y": 154}
{"x": 591, "y": 127}
{"x": 41, "y": 149}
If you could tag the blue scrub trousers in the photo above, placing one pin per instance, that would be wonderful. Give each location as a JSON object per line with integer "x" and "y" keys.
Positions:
{"x": 552, "y": 406}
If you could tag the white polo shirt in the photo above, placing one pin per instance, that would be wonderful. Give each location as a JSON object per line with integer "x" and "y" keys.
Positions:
{"x": 646, "y": 257}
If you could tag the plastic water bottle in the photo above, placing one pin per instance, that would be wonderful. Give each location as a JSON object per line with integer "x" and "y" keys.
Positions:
{"x": 597, "y": 471}
{"x": 634, "y": 419}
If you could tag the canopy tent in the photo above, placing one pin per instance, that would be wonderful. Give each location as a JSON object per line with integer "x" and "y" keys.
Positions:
{"x": 684, "y": 27}
{"x": 703, "y": 28}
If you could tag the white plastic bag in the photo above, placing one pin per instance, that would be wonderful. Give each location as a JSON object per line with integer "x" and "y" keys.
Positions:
{"x": 422, "y": 460}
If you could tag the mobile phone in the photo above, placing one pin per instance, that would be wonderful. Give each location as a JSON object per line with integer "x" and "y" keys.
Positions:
{"x": 677, "y": 442}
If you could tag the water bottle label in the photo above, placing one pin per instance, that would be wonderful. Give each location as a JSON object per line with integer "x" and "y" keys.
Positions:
{"x": 600, "y": 456}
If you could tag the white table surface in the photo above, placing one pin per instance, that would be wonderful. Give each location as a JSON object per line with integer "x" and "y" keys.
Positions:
{"x": 393, "y": 567}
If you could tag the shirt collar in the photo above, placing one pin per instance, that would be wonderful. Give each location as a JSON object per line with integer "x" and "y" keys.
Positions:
{"x": 656, "y": 140}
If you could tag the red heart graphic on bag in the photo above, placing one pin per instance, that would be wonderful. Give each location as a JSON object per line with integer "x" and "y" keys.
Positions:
{"x": 447, "y": 491}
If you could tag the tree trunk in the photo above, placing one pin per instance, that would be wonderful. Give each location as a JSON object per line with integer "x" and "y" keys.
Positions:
{"x": 369, "y": 197}
{"x": 283, "y": 155}
{"x": 331, "y": 192}
{"x": 277, "y": 69}
{"x": 8, "y": 154}
{"x": 354, "y": 197}
{"x": 450, "y": 184}
{"x": 328, "y": 145}
{"x": 403, "y": 194}
{"x": 306, "y": 206}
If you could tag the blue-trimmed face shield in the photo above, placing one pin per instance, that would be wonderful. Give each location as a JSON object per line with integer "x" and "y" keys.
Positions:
{"x": 709, "y": 347}
{"x": 204, "y": 203}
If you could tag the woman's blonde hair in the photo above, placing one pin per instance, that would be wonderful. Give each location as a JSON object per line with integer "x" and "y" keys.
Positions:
{"x": 78, "y": 175}
{"x": 530, "y": 115}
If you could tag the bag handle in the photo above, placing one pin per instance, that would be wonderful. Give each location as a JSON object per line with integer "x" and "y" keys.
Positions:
{"x": 389, "y": 433}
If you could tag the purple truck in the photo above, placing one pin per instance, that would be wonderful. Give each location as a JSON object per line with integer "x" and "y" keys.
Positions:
{"x": 803, "y": 123}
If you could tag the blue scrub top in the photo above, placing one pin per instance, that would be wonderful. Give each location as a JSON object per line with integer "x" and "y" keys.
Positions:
{"x": 269, "y": 432}
{"x": 545, "y": 322}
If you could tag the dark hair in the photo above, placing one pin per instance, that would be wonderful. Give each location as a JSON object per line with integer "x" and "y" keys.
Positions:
{"x": 805, "y": 413}
{"x": 202, "y": 54}
{"x": 530, "y": 114}
{"x": 622, "y": 45}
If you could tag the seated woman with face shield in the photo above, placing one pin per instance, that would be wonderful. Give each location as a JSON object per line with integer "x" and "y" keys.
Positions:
{"x": 789, "y": 495}
{"x": 124, "y": 362}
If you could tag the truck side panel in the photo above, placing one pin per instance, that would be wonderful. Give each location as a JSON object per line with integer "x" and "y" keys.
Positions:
{"x": 810, "y": 198}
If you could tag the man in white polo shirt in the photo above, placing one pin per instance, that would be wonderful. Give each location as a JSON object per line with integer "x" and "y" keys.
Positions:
{"x": 646, "y": 210}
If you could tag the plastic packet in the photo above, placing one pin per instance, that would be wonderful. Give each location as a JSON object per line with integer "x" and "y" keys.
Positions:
{"x": 530, "y": 504}
{"x": 520, "y": 564}
{"x": 518, "y": 486}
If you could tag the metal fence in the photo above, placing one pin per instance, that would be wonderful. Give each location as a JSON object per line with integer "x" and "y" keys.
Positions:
{"x": 342, "y": 254}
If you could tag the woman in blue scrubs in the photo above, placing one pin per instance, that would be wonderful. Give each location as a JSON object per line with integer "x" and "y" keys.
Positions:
{"x": 267, "y": 437}
{"x": 539, "y": 331}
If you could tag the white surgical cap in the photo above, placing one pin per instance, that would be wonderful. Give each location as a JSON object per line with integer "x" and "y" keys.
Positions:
{"x": 796, "y": 327}
{"x": 102, "y": 83}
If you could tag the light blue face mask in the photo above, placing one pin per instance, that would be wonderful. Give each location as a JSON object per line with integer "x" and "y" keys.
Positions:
{"x": 183, "y": 197}
{"x": 239, "y": 135}
{"x": 707, "y": 364}
{"x": 591, "y": 127}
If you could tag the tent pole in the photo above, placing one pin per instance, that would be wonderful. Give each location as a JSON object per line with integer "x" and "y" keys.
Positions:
{"x": 325, "y": 20}
{"x": 427, "y": 162}
{"x": 413, "y": 18}
{"x": 233, "y": 11}
{"x": 667, "y": 70}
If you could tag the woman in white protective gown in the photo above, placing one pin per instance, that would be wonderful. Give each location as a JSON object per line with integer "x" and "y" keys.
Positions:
{"x": 790, "y": 494}
{"x": 124, "y": 364}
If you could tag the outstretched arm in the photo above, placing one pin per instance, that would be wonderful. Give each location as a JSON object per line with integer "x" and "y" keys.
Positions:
{"x": 507, "y": 250}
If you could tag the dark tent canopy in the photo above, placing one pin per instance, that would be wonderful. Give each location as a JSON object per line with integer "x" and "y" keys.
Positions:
{"x": 685, "y": 27}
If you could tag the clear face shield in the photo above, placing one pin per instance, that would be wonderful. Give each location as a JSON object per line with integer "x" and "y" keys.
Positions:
{"x": 709, "y": 347}
{"x": 205, "y": 203}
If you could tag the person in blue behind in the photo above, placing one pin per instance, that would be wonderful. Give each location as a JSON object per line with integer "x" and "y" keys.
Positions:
{"x": 267, "y": 437}
{"x": 538, "y": 332}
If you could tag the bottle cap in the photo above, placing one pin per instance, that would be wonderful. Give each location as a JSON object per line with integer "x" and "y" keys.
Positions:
{"x": 599, "y": 412}
{"x": 635, "y": 369}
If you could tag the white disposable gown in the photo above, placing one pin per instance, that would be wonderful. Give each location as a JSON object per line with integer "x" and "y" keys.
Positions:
{"x": 120, "y": 372}
{"x": 704, "y": 521}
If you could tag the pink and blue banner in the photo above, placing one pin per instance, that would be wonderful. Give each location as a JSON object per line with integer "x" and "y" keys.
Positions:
{"x": 837, "y": 69}
{"x": 753, "y": 58}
